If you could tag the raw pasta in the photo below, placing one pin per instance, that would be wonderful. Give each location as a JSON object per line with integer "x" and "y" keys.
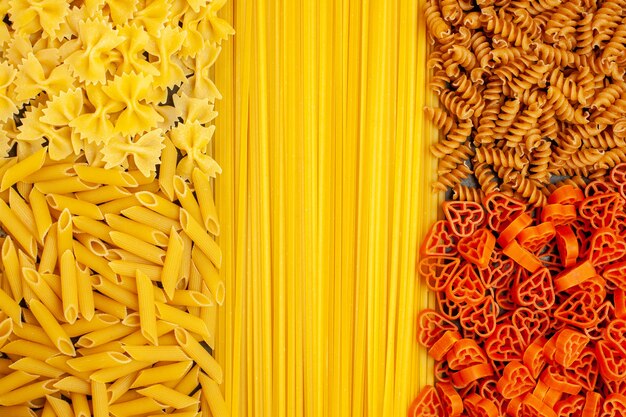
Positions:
{"x": 106, "y": 117}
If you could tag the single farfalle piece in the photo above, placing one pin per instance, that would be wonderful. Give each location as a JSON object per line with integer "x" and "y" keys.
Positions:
{"x": 193, "y": 139}
{"x": 33, "y": 78}
{"x": 31, "y": 16}
{"x": 95, "y": 58}
{"x": 164, "y": 46}
{"x": 135, "y": 42}
{"x": 59, "y": 112}
{"x": 200, "y": 84}
{"x": 119, "y": 10}
{"x": 135, "y": 93}
{"x": 193, "y": 109}
{"x": 7, "y": 106}
{"x": 145, "y": 151}
{"x": 96, "y": 125}
{"x": 211, "y": 26}
{"x": 153, "y": 16}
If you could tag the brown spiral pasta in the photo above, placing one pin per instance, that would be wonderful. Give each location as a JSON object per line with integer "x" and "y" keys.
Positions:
{"x": 560, "y": 29}
{"x": 455, "y": 158}
{"x": 506, "y": 118}
{"x": 535, "y": 75}
{"x": 452, "y": 178}
{"x": 607, "y": 96}
{"x": 441, "y": 119}
{"x": 541, "y": 154}
{"x": 468, "y": 92}
{"x": 436, "y": 25}
{"x": 526, "y": 121}
{"x": 605, "y": 22}
{"x": 619, "y": 132}
{"x": 505, "y": 28}
{"x": 549, "y": 53}
{"x": 486, "y": 178}
{"x": 451, "y": 11}
{"x": 536, "y": 7}
{"x": 525, "y": 22}
{"x": 456, "y": 105}
{"x": 439, "y": 82}
{"x": 562, "y": 108}
{"x": 487, "y": 124}
{"x": 584, "y": 158}
{"x": 611, "y": 158}
{"x": 453, "y": 140}
{"x": 464, "y": 193}
{"x": 614, "y": 112}
{"x": 528, "y": 189}
{"x": 616, "y": 46}
{"x": 567, "y": 85}
{"x": 499, "y": 157}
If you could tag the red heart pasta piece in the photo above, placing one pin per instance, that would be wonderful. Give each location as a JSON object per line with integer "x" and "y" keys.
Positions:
{"x": 478, "y": 247}
{"x": 600, "y": 209}
{"x": 611, "y": 360}
{"x": 536, "y": 291}
{"x": 432, "y": 326}
{"x": 501, "y": 209}
{"x": 558, "y": 214}
{"x": 515, "y": 381}
{"x": 572, "y": 406}
{"x": 534, "y": 238}
{"x": 578, "y": 310}
{"x": 426, "y": 404}
{"x": 505, "y": 344}
{"x": 584, "y": 370}
{"x": 439, "y": 240}
{"x": 614, "y": 406}
{"x": 566, "y": 194}
{"x": 466, "y": 285}
{"x": 464, "y": 216}
{"x": 480, "y": 318}
{"x": 606, "y": 247}
{"x": 438, "y": 270}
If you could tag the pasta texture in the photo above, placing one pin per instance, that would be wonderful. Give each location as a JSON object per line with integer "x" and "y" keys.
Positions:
{"x": 531, "y": 88}
{"x": 106, "y": 121}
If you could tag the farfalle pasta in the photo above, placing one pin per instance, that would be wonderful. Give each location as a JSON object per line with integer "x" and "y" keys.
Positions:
{"x": 109, "y": 260}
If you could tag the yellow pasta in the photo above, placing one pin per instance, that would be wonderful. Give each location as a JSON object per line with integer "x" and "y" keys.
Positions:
{"x": 184, "y": 320}
{"x": 41, "y": 213}
{"x": 204, "y": 194}
{"x": 69, "y": 286}
{"x": 159, "y": 374}
{"x": 35, "y": 350}
{"x": 28, "y": 393}
{"x": 11, "y": 268}
{"x": 120, "y": 387}
{"x": 52, "y": 328}
{"x": 138, "y": 230}
{"x": 98, "y": 361}
{"x": 146, "y": 216}
{"x": 32, "y": 333}
{"x": 210, "y": 275}
{"x": 201, "y": 238}
{"x": 111, "y": 374}
{"x": 199, "y": 355}
{"x": 103, "y": 194}
{"x": 73, "y": 384}
{"x": 36, "y": 367}
{"x": 22, "y": 169}
{"x": 167, "y": 169}
{"x": 172, "y": 263}
{"x": 100, "y": 401}
{"x": 167, "y": 396}
{"x": 6, "y": 330}
{"x": 80, "y": 404}
{"x": 137, "y": 246}
{"x": 156, "y": 353}
{"x": 23, "y": 211}
{"x": 17, "y": 229}
{"x": 105, "y": 176}
{"x": 43, "y": 291}
{"x": 145, "y": 293}
{"x": 158, "y": 204}
{"x": 137, "y": 406}
{"x": 128, "y": 268}
{"x": 75, "y": 207}
{"x": 10, "y": 307}
{"x": 64, "y": 186}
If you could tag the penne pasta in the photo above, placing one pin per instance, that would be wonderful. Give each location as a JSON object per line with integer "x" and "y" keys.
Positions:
{"x": 186, "y": 198}
{"x": 6, "y": 330}
{"x": 93, "y": 227}
{"x": 86, "y": 303}
{"x": 128, "y": 268}
{"x": 99, "y": 399}
{"x": 114, "y": 346}
{"x": 204, "y": 194}
{"x": 141, "y": 178}
{"x": 14, "y": 227}
{"x": 65, "y": 232}
{"x": 109, "y": 306}
{"x": 139, "y": 406}
{"x": 43, "y": 291}
{"x": 118, "y": 206}
{"x": 212, "y": 395}
{"x": 35, "y": 350}
{"x": 167, "y": 170}
{"x": 137, "y": 339}
{"x": 41, "y": 213}
{"x": 12, "y": 268}
{"x": 18, "y": 411}
{"x": 140, "y": 231}
{"x": 32, "y": 333}
{"x": 172, "y": 264}
{"x": 80, "y": 404}
{"x": 158, "y": 204}
{"x": 11, "y": 308}
{"x": 185, "y": 268}
{"x": 23, "y": 211}
{"x": 105, "y": 335}
{"x": 51, "y": 172}
{"x": 164, "y": 373}
{"x": 120, "y": 387}
{"x": 190, "y": 298}
{"x": 137, "y": 246}
{"x": 73, "y": 384}
{"x": 52, "y": 328}
{"x": 75, "y": 206}
{"x": 112, "y": 374}
{"x": 48, "y": 259}
{"x": 168, "y": 396}
{"x": 210, "y": 275}
{"x": 201, "y": 238}
{"x": 36, "y": 367}
{"x": 69, "y": 286}
{"x": 64, "y": 186}
{"x": 60, "y": 407}
{"x": 147, "y": 311}
{"x": 92, "y": 244}
{"x": 60, "y": 362}
{"x": 185, "y": 320}
{"x": 115, "y": 292}
{"x": 23, "y": 169}
{"x": 105, "y": 176}
{"x": 196, "y": 352}
{"x": 15, "y": 380}
{"x": 189, "y": 382}
{"x": 156, "y": 353}
{"x": 87, "y": 258}
{"x": 27, "y": 393}
{"x": 144, "y": 215}
{"x": 103, "y": 194}
{"x": 98, "y": 361}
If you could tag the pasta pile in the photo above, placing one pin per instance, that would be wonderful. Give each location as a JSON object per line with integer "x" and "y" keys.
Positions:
{"x": 530, "y": 91}
{"x": 110, "y": 281}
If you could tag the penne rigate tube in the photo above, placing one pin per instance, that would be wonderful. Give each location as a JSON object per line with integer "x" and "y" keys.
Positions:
{"x": 199, "y": 355}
